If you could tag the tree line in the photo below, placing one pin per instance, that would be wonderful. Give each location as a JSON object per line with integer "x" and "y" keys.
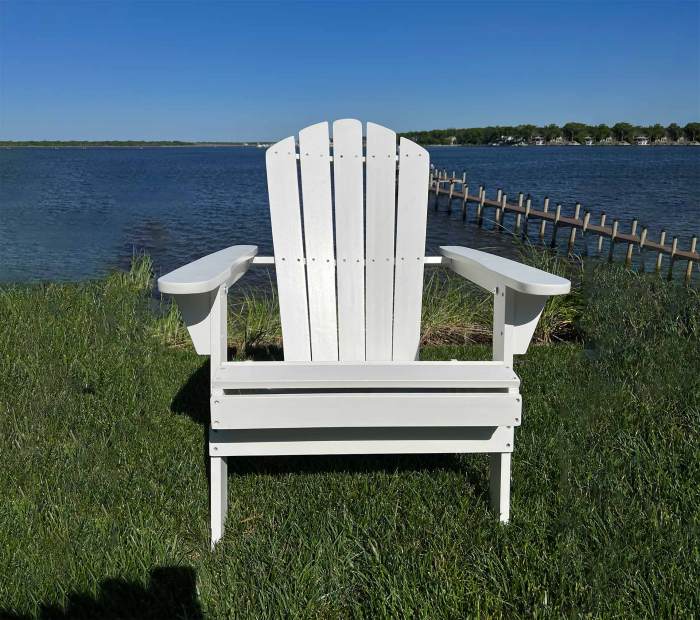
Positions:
{"x": 620, "y": 132}
{"x": 76, "y": 143}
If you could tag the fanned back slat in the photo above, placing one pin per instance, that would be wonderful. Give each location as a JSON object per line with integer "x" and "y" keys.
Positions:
{"x": 314, "y": 155}
{"x": 285, "y": 217}
{"x": 349, "y": 238}
{"x": 380, "y": 216}
{"x": 379, "y": 283}
{"x": 411, "y": 216}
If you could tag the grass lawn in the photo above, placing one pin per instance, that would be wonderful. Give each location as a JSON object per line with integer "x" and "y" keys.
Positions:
{"x": 104, "y": 510}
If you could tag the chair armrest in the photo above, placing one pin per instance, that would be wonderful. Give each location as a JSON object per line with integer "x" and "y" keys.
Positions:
{"x": 488, "y": 271}
{"x": 199, "y": 289}
{"x": 519, "y": 295}
{"x": 209, "y": 272}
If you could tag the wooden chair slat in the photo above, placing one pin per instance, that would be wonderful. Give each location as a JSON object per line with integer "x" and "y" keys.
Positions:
{"x": 411, "y": 214}
{"x": 380, "y": 218}
{"x": 285, "y": 217}
{"x": 314, "y": 157}
{"x": 349, "y": 238}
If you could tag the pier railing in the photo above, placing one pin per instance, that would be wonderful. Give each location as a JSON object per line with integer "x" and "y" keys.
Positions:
{"x": 457, "y": 188}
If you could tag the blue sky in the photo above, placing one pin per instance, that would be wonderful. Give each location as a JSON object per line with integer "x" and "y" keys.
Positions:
{"x": 230, "y": 71}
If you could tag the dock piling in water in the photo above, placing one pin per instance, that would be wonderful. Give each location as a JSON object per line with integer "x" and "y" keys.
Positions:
{"x": 630, "y": 244}
{"x": 642, "y": 251}
{"x": 528, "y": 206}
{"x": 543, "y": 223}
{"x": 611, "y": 249}
{"x": 518, "y": 216}
{"x": 660, "y": 255}
{"x": 600, "y": 237}
{"x": 584, "y": 229}
{"x": 555, "y": 229}
{"x": 672, "y": 258}
{"x": 689, "y": 266}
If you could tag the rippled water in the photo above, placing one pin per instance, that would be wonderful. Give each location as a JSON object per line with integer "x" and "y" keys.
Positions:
{"x": 68, "y": 214}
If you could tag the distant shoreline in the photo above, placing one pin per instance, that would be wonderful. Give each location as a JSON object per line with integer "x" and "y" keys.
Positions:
{"x": 233, "y": 144}
{"x": 140, "y": 145}
{"x": 227, "y": 145}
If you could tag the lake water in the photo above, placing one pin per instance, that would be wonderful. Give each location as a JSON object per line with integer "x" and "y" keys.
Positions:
{"x": 70, "y": 214}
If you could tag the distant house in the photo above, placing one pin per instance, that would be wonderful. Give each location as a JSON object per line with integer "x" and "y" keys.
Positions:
{"x": 607, "y": 140}
{"x": 661, "y": 140}
{"x": 641, "y": 140}
{"x": 452, "y": 140}
{"x": 557, "y": 140}
{"x": 588, "y": 141}
{"x": 538, "y": 140}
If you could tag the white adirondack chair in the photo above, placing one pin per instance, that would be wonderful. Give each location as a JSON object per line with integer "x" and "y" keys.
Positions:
{"x": 350, "y": 303}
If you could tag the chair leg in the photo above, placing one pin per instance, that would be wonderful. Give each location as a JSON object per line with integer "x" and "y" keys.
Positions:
{"x": 219, "y": 497}
{"x": 500, "y": 485}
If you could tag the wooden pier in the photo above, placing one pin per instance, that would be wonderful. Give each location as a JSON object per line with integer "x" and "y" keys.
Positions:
{"x": 457, "y": 188}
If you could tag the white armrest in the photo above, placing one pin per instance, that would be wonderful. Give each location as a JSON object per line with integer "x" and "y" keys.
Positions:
{"x": 197, "y": 286}
{"x": 488, "y": 270}
{"x": 209, "y": 272}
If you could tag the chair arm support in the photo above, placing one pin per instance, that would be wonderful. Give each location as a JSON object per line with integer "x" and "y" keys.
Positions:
{"x": 199, "y": 289}
{"x": 489, "y": 271}
{"x": 520, "y": 294}
{"x": 209, "y": 272}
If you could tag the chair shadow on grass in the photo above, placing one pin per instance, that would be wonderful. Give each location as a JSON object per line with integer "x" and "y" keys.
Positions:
{"x": 170, "y": 593}
{"x": 192, "y": 400}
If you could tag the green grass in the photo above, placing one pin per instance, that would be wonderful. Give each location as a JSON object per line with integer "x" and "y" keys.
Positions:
{"x": 104, "y": 509}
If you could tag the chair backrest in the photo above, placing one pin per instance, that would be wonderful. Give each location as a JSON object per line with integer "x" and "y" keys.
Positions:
{"x": 354, "y": 295}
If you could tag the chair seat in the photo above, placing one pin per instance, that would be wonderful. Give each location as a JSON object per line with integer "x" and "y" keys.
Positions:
{"x": 265, "y": 395}
{"x": 303, "y": 376}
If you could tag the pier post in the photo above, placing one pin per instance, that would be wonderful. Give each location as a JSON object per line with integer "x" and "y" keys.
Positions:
{"x": 518, "y": 217}
{"x": 584, "y": 229}
{"x": 557, "y": 215}
{"x": 611, "y": 250}
{"x": 465, "y": 197}
{"x": 642, "y": 243}
{"x": 452, "y": 190}
{"x": 500, "y": 213}
{"x": 437, "y": 190}
{"x": 672, "y": 258}
{"x": 480, "y": 206}
{"x": 660, "y": 255}
{"x": 543, "y": 223}
{"x": 572, "y": 232}
{"x": 528, "y": 206}
{"x": 630, "y": 245}
{"x": 600, "y": 237}
{"x": 689, "y": 266}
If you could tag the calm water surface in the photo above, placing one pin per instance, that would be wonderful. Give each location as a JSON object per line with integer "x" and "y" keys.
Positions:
{"x": 70, "y": 214}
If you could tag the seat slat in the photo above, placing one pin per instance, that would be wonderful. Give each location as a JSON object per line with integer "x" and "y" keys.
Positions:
{"x": 349, "y": 238}
{"x": 364, "y": 410}
{"x": 437, "y": 375}
{"x": 380, "y": 218}
{"x": 314, "y": 154}
{"x": 411, "y": 214}
{"x": 404, "y": 440}
{"x": 285, "y": 217}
